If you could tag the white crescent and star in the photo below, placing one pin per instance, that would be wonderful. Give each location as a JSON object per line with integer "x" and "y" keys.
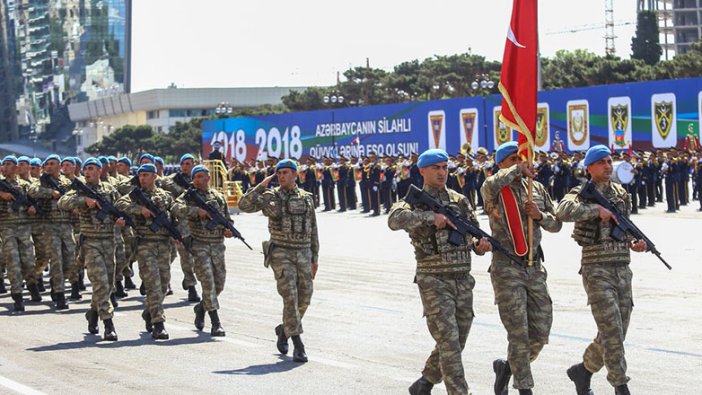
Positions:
{"x": 512, "y": 38}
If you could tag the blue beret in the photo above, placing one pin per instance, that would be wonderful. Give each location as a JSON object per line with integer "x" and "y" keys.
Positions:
{"x": 23, "y": 159}
{"x": 35, "y": 162}
{"x": 78, "y": 160}
{"x": 125, "y": 160}
{"x": 596, "y": 153}
{"x": 69, "y": 159}
{"x": 92, "y": 161}
{"x": 286, "y": 164}
{"x": 103, "y": 159}
{"x": 432, "y": 156}
{"x": 505, "y": 150}
{"x": 146, "y": 156}
{"x": 158, "y": 159}
{"x": 186, "y": 157}
{"x": 147, "y": 167}
{"x": 197, "y": 169}
{"x": 52, "y": 157}
{"x": 9, "y": 158}
{"x": 112, "y": 158}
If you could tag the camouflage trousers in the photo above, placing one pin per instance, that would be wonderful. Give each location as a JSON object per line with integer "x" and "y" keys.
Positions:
{"x": 121, "y": 261}
{"x": 130, "y": 256}
{"x": 608, "y": 288}
{"x": 210, "y": 270}
{"x": 18, "y": 255}
{"x": 155, "y": 271}
{"x": 186, "y": 264}
{"x": 292, "y": 268}
{"x": 526, "y": 312}
{"x": 61, "y": 249}
{"x": 448, "y": 307}
{"x": 99, "y": 257}
{"x": 41, "y": 247}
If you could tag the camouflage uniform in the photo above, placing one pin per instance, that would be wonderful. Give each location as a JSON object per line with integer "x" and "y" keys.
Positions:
{"x": 127, "y": 234}
{"x": 208, "y": 246}
{"x": 521, "y": 293}
{"x": 152, "y": 251}
{"x": 293, "y": 246}
{"x": 606, "y": 278}
{"x": 186, "y": 260}
{"x": 61, "y": 247}
{"x": 445, "y": 285}
{"x": 17, "y": 246}
{"x": 41, "y": 245}
{"x": 97, "y": 246}
{"x": 123, "y": 252}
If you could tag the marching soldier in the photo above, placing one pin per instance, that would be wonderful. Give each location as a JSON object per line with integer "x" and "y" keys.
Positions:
{"x": 605, "y": 271}
{"x": 41, "y": 247}
{"x": 97, "y": 247}
{"x": 521, "y": 293}
{"x": 153, "y": 248}
{"x": 68, "y": 168}
{"x": 187, "y": 162}
{"x": 208, "y": 247}
{"x": 443, "y": 275}
{"x": 15, "y": 232}
{"x": 58, "y": 231}
{"x": 292, "y": 250}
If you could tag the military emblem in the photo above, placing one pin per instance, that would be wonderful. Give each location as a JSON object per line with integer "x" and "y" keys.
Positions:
{"x": 619, "y": 118}
{"x": 436, "y": 121}
{"x": 541, "y": 126}
{"x": 663, "y": 115}
{"x": 578, "y": 125}
{"x": 468, "y": 119}
{"x": 503, "y": 133}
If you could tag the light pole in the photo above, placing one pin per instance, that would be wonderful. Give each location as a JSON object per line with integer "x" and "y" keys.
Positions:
{"x": 482, "y": 81}
{"x": 224, "y": 108}
{"x": 78, "y": 134}
{"x": 332, "y": 100}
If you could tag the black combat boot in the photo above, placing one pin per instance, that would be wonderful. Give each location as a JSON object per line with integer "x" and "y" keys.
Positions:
{"x": 19, "y": 303}
{"x": 169, "y": 290}
{"x": 622, "y": 390}
{"x": 192, "y": 294}
{"x": 299, "y": 354}
{"x": 421, "y": 387}
{"x": 3, "y": 290}
{"x": 53, "y": 295}
{"x": 199, "y": 316}
{"x": 61, "y": 301}
{"x": 159, "y": 332}
{"x": 119, "y": 290}
{"x": 92, "y": 316}
{"x": 502, "y": 375}
{"x": 128, "y": 283}
{"x": 525, "y": 392}
{"x": 142, "y": 289}
{"x": 217, "y": 329}
{"x": 581, "y": 377}
{"x": 75, "y": 291}
{"x": 113, "y": 299}
{"x": 282, "y": 342}
{"x": 147, "y": 321}
{"x": 34, "y": 292}
{"x": 110, "y": 333}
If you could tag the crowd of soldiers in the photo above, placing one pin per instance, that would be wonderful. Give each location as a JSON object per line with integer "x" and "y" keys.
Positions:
{"x": 669, "y": 175}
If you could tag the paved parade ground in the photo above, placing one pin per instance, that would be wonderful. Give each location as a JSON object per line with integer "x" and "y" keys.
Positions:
{"x": 364, "y": 331}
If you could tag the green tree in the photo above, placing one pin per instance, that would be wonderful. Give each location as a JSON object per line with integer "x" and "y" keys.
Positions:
{"x": 645, "y": 45}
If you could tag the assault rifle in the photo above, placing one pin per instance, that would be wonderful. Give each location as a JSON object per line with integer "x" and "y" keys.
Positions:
{"x": 105, "y": 206}
{"x": 21, "y": 198}
{"x": 160, "y": 219}
{"x": 623, "y": 224}
{"x": 216, "y": 218}
{"x": 48, "y": 181}
{"x": 181, "y": 181}
{"x": 419, "y": 198}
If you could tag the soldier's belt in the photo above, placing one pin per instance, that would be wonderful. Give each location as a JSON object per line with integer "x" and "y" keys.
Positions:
{"x": 448, "y": 276}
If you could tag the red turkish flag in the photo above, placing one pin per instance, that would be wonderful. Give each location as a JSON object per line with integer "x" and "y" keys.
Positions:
{"x": 518, "y": 78}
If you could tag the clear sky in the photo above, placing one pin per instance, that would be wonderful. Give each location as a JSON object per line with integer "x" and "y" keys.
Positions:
{"x": 237, "y": 43}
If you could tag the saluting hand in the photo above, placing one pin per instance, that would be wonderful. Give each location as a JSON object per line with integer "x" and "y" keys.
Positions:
{"x": 267, "y": 180}
{"x": 527, "y": 169}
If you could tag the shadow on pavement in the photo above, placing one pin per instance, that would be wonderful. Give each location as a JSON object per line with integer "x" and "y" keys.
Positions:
{"x": 283, "y": 365}
{"x": 96, "y": 341}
